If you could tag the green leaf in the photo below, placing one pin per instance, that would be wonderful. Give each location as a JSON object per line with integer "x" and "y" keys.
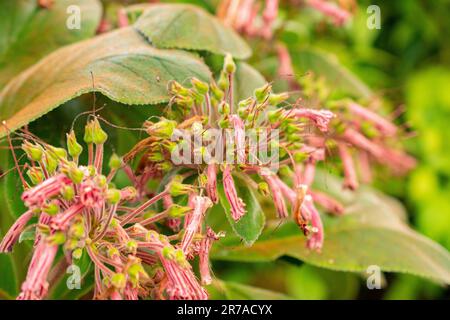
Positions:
{"x": 236, "y": 291}
{"x": 29, "y": 32}
{"x": 250, "y": 226}
{"x": 124, "y": 67}
{"x": 247, "y": 79}
{"x": 327, "y": 65}
{"x": 185, "y": 26}
{"x": 372, "y": 232}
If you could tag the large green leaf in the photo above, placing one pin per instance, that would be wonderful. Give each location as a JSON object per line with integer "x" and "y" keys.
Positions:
{"x": 185, "y": 26}
{"x": 124, "y": 66}
{"x": 250, "y": 226}
{"x": 29, "y": 32}
{"x": 372, "y": 232}
{"x": 247, "y": 79}
{"x": 327, "y": 66}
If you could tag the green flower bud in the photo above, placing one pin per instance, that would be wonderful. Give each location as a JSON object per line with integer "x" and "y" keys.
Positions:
{"x": 262, "y": 93}
{"x": 273, "y": 115}
{"x": 57, "y": 238}
{"x": 131, "y": 246}
{"x": 98, "y": 135}
{"x": 118, "y": 280}
{"x": 51, "y": 208}
{"x": 34, "y": 152}
{"x": 77, "y": 253}
{"x": 164, "y": 166}
{"x": 74, "y": 148}
{"x": 35, "y": 174}
{"x": 200, "y": 86}
{"x": 115, "y": 162}
{"x": 58, "y": 153}
{"x": 113, "y": 196}
{"x": 91, "y": 171}
{"x": 88, "y": 133}
{"x": 168, "y": 252}
{"x": 68, "y": 193}
{"x": 180, "y": 258}
{"x": 113, "y": 252}
{"x": 77, "y": 230}
{"x": 175, "y": 88}
{"x": 216, "y": 92}
{"x": 177, "y": 211}
{"x": 178, "y": 188}
{"x": 224, "y": 108}
{"x": 101, "y": 181}
{"x": 223, "y": 81}
{"x": 162, "y": 129}
{"x": 263, "y": 187}
{"x": 50, "y": 163}
{"x": 275, "y": 99}
{"x": 75, "y": 174}
{"x": 228, "y": 64}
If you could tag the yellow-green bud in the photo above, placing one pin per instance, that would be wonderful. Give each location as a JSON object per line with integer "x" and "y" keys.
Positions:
{"x": 75, "y": 174}
{"x": 177, "y": 211}
{"x": 229, "y": 65}
{"x": 57, "y": 238}
{"x": 35, "y": 174}
{"x": 131, "y": 246}
{"x": 115, "y": 162}
{"x": 51, "y": 208}
{"x": 88, "y": 133}
{"x": 50, "y": 163}
{"x": 161, "y": 129}
{"x": 275, "y": 99}
{"x": 200, "y": 86}
{"x": 77, "y": 253}
{"x": 99, "y": 136}
{"x": 224, "y": 108}
{"x": 216, "y": 92}
{"x": 263, "y": 187}
{"x": 74, "y": 148}
{"x": 34, "y": 152}
{"x": 68, "y": 193}
{"x": 223, "y": 81}
{"x": 113, "y": 196}
{"x": 262, "y": 93}
{"x": 118, "y": 280}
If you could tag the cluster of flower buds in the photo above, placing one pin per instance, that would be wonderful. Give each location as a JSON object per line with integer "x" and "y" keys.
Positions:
{"x": 77, "y": 209}
{"x": 124, "y": 231}
{"x": 307, "y": 136}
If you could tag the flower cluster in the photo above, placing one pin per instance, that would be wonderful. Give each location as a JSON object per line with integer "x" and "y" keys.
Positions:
{"x": 142, "y": 241}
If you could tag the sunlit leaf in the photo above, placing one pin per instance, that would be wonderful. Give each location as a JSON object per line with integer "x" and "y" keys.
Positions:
{"x": 185, "y": 26}
{"x": 121, "y": 65}
{"x": 29, "y": 32}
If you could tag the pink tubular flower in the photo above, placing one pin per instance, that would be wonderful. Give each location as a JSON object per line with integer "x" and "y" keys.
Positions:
{"x": 339, "y": 16}
{"x": 239, "y": 135}
{"x": 321, "y": 118}
{"x": 201, "y": 205}
{"x": 205, "y": 247}
{"x": 50, "y": 187}
{"x": 315, "y": 241}
{"x": 211, "y": 185}
{"x": 91, "y": 195}
{"x": 61, "y": 221}
{"x": 350, "y": 180}
{"x": 14, "y": 232}
{"x": 329, "y": 204}
{"x": 269, "y": 16}
{"x": 384, "y": 126}
{"x": 172, "y": 223}
{"x": 122, "y": 18}
{"x": 35, "y": 286}
{"x": 397, "y": 160}
{"x": 275, "y": 191}
{"x": 237, "y": 205}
